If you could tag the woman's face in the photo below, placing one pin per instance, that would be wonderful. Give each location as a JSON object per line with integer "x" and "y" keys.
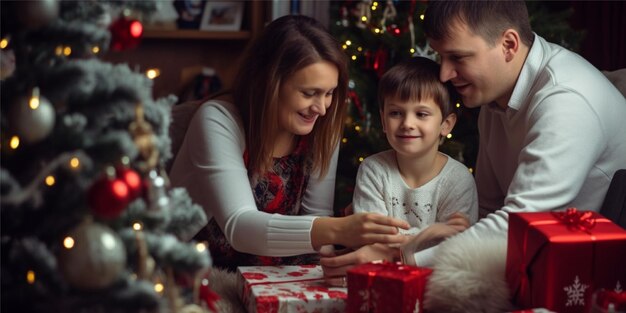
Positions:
{"x": 304, "y": 97}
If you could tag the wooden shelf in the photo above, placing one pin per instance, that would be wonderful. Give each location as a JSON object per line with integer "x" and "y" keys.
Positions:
{"x": 196, "y": 34}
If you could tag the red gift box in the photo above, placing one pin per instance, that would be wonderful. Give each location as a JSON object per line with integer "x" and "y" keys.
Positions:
{"x": 297, "y": 288}
{"x": 556, "y": 260}
{"x": 380, "y": 287}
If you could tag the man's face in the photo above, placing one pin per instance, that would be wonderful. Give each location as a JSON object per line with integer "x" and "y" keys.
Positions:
{"x": 477, "y": 70}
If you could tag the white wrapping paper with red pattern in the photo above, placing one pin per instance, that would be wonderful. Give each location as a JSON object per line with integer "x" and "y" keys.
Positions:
{"x": 284, "y": 289}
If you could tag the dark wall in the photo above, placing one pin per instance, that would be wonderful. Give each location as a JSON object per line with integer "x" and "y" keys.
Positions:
{"x": 604, "y": 46}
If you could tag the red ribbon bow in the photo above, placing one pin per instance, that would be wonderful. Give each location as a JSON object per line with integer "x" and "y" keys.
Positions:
{"x": 575, "y": 219}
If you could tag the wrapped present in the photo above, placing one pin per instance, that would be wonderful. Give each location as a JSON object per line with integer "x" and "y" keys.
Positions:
{"x": 298, "y": 288}
{"x": 380, "y": 287}
{"x": 608, "y": 301}
{"x": 556, "y": 260}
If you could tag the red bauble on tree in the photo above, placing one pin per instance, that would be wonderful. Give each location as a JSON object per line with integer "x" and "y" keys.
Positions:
{"x": 125, "y": 33}
{"x": 394, "y": 30}
{"x": 380, "y": 61}
{"x": 132, "y": 180}
{"x": 108, "y": 197}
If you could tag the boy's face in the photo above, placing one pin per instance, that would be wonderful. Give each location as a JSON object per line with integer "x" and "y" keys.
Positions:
{"x": 477, "y": 70}
{"x": 413, "y": 128}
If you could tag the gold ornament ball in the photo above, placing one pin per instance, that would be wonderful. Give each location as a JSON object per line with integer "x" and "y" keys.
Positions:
{"x": 93, "y": 258}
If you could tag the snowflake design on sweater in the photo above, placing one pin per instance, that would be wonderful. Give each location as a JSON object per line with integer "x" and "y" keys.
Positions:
{"x": 394, "y": 201}
{"x": 575, "y": 293}
{"x": 618, "y": 287}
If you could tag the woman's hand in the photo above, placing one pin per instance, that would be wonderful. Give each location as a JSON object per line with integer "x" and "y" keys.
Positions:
{"x": 335, "y": 265}
{"x": 357, "y": 230}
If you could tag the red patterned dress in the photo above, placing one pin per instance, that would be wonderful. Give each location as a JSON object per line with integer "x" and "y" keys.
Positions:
{"x": 279, "y": 192}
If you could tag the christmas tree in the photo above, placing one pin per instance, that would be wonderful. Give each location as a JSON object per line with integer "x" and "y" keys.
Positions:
{"x": 89, "y": 223}
{"x": 379, "y": 34}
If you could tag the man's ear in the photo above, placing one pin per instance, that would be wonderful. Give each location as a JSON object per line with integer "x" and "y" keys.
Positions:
{"x": 448, "y": 124}
{"x": 510, "y": 44}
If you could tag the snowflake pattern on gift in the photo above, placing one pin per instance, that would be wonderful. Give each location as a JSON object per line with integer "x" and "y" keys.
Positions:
{"x": 618, "y": 287}
{"x": 575, "y": 293}
{"x": 365, "y": 300}
{"x": 417, "y": 306}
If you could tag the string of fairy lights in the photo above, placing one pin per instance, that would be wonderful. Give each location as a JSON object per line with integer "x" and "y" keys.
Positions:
{"x": 32, "y": 122}
{"x": 383, "y": 23}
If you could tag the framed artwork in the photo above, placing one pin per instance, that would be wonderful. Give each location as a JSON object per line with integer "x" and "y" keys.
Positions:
{"x": 222, "y": 16}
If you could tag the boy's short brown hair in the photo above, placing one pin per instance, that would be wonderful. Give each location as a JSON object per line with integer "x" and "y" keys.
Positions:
{"x": 417, "y": 79}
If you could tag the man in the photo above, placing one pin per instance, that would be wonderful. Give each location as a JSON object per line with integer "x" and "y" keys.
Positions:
{"x": 550, "y": 126}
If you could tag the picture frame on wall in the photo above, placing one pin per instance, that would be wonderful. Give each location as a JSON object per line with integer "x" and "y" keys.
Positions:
{"x": 222, "y": 16}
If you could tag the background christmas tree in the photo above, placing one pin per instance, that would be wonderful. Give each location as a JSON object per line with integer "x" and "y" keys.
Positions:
{"x": 379, "y": 34}
{"x": 89, "y": 223}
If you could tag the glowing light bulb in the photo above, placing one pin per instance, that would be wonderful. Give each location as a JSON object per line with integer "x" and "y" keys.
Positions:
{"x": 153, "y": 73}
{"x": 30, "y": 277}
{"x": 412, "y": 50}
{"x": 58, "y": 50}
{"x": 374, "y": 8}
{"x": 353, "y": 58}
{"x": 74, "y": 162}
{"x": 344, "y": 140}
{"x": 4, "y": 43}
{"x": 449, "y": 136}
{"x": 361, "y": 159}
{"x": 422, "y": 17}
{"x": 201, "y": 247}
{"x": 458, "y": 105}
{"x": 471, "y": 170}
{"x": 348, "y": 42}
{"x": 68, "y": 242}
{"x": 344, "y": 47}
{"x": 158, "y": 287}
{"x": 137, "y": 226}
{"x": 50, "y": 180}
{"x": 363, "y": 18}
{"x": 357, "y": 128}
{"x": 95, "y": 49}
{"x": 15, "y": 142}
{"x": 67, "y": 51}
{"x": 359, "y": 49}
{"x": 377, "y": 30}
{"x": 33, "y": 103}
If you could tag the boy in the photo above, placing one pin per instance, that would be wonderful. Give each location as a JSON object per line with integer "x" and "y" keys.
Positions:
{"x": 414, "y": 181}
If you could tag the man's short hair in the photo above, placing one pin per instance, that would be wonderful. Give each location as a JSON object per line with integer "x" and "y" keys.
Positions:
{"x": 487, "y": 19}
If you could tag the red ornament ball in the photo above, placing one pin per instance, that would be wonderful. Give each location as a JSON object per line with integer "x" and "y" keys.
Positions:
{"x": 125, "y": 34}
{"x": 394, "y": 30}
{"x": 108, "y": 197}
{"x": 132, "y": 180}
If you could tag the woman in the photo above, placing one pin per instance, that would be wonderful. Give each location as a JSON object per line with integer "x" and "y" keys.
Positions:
{"x": 264, "y": 166}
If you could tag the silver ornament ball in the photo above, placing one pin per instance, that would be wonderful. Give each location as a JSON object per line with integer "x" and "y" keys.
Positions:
{"x": 32, "y": 125}
{"x": 92, "y": 257}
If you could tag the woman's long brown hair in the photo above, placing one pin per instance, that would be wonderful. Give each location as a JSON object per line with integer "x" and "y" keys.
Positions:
{"x": 287, "y": 45}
